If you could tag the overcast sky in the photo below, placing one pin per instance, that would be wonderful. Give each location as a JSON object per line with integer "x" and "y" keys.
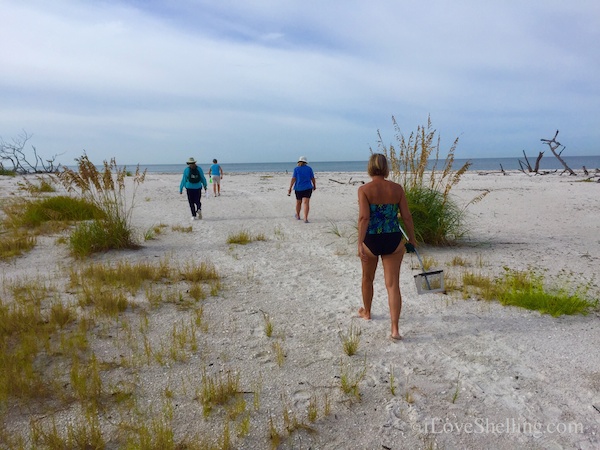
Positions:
{"x": 155, "y": 82}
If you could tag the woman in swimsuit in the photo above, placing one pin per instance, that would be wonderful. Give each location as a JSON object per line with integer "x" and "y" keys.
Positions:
{"x": 379, "y": 203}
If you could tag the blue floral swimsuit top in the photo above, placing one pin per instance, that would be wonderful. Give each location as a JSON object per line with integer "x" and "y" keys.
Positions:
{"x": 383, "y": 219}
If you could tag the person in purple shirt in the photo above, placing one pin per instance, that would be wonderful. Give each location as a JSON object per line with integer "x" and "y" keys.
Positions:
{"x": 303, "y": 182}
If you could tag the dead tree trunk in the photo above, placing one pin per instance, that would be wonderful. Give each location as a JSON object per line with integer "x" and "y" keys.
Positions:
{"x": 554, "y": 145}
{"x": 526, "y": 161}
{"x": 537, "y": 162}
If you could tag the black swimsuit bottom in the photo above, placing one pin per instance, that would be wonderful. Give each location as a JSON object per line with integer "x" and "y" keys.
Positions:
{"x": 383, "y": 244}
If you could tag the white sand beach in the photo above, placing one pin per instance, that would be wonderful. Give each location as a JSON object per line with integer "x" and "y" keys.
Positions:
{"x": 468, "y": 374}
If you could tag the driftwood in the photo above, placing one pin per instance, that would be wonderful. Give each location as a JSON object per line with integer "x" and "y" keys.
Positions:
{"x": 347, "y": 182}
{"x": 535, "y": 169}
{"x": 554, "y": 145}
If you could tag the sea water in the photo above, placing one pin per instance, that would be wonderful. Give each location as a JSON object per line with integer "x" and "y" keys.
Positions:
{"x": 548, "y": 163}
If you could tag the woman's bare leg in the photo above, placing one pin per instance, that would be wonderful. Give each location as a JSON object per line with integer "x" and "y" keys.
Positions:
{"x": 306, "y": 202}
{"x": 369, "y": 268}
{"x": 391, "y": 271}
{"x": 298, "y": 206}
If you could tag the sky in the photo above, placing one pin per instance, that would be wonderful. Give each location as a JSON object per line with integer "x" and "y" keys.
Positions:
{"x": 155, "y": 82}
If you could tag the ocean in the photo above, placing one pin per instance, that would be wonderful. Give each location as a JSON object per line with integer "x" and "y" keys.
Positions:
{"x": 548, "y": 162}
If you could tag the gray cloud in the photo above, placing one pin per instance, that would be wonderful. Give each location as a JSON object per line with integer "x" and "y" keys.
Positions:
{"x": 262, "y": 81}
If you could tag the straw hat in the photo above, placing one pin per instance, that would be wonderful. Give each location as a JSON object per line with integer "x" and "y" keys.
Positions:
{"x": 191, "y": 161}
{"x": 302, "y": 159}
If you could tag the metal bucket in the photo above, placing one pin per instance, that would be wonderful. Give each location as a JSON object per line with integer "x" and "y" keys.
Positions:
{"x": 430, "y": 282}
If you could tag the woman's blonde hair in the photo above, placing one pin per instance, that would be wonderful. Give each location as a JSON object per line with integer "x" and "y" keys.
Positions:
{"x": 378, "y": 165}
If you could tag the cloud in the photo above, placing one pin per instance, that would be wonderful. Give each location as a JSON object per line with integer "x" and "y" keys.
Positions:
{"x": 261, "y": 81}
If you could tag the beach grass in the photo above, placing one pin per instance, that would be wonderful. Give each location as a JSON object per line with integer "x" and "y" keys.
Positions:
{"x": 529, "y": 289}
{"x": 351, "y": 340}
{"x": 244, "y": 237}
{"x": 97, "y": 203}
{"x": 16, "y": 243}
{"x": 106, "y": 189}
{"x": 416, "y": 164}
{"x": 350, "y": 378}
{"x": 43, "y": 185}
{"x": 218, "y": 389}
{"x": 39, "y": 323}
{"x": 48, "y": 215}
{"x": 268, "y": 324}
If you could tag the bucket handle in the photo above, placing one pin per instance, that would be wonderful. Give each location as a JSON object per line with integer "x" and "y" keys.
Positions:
{"x": 418, "y": 257}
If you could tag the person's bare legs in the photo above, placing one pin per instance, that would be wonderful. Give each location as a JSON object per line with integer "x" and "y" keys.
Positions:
{"x": 219, "y": 188}
{"x": 214, "y": 189}
{"x": 306, "y": 202}
{"x": 298, "y": 206}
{"x": 391, "y": 273}
{"x": 368, "y": 275}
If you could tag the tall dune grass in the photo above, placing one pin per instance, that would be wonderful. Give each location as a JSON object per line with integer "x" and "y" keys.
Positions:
{"x": 106, "y": 189}
{"x": 428, "y": 179}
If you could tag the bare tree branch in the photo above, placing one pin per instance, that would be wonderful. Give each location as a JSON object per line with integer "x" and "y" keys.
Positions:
{"x": 21, "y": 161}
{"x": 554, "y": 145}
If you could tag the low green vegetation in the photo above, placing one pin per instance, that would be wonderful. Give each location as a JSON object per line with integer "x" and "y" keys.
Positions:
{"x": 268, "y": 324}
{"x": 16, "y": 243}
{"x": 60, "y": 209}
{"x": 244, "y": 237}
{"x": 529, "y": 289}
{"x": 7, "y": 172}
{"x": 350, "y": 377}
{"x": 218, "y": 389}
{"x": 351, "y": 340}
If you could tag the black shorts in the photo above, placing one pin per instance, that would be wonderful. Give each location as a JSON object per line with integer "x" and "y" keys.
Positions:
{"x": 383, "y": 244}
{"x": 303, "y": 194}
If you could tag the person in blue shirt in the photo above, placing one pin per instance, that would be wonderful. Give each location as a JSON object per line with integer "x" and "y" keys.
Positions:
{"x": 216, "y": 173}
{"x": 303, "y": 182}
{"x": 193, "y": 180}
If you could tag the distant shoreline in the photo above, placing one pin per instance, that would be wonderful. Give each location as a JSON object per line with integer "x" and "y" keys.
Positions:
{"x": 548, "y": 162}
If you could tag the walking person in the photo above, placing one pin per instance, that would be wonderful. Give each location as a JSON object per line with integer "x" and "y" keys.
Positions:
{"x": 216, "y": 173}
{"x": 379, "y": 235}
{"x": 303, "y": 182}
{"x": 193, "y": 180}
